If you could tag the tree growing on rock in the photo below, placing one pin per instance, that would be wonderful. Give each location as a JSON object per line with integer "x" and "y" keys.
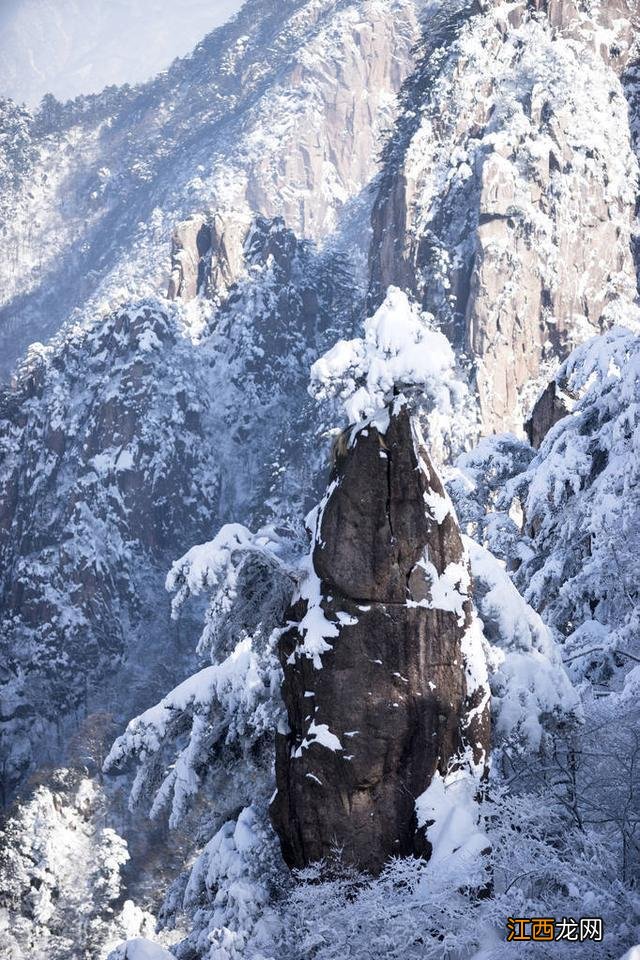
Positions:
{"x": 401, "y": 354}
{"x": 385, "y": 682}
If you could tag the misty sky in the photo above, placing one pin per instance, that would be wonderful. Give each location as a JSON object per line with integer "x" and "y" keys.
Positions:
{"x": 67, "y": 47}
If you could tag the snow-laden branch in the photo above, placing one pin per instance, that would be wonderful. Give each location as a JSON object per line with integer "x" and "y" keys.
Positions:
{"x": 208, "y": 727}
{"x": 204, "y": 567}
{"x": 398, "y": 352}
{"x": 228, "y": 705}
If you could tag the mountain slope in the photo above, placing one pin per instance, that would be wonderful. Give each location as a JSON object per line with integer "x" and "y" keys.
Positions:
{"x": 124, "y": 443}
{"x": 279, "y": 112}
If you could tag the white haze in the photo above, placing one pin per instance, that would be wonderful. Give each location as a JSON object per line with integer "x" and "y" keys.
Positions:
{"x": 69, "y": 47}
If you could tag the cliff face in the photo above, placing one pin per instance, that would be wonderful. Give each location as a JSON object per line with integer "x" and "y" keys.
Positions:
{"x": 607, "y": 27}
{"x": 509, "y": 193}
{"x": 384, "y": 680}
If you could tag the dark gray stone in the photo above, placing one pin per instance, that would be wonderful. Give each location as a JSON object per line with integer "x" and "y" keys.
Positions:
{"x": 549, "y": 409}
{"x": 392, "y": 689}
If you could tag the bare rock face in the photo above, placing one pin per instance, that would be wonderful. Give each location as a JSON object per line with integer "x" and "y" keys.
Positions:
{"x": 207, "y": 257}
{"x": 551, "y": 407}
{"x": 191, "y": 248}
{"x": 349, "y": 76}
{"x": 380, "y": 685}
{"x": 509, "y": 214}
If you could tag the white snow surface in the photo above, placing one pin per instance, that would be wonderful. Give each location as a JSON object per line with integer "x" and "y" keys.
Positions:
{"x": 140, "y": 949}
{"x": 450, "y": 811}
{"x": 315, "y": 628}
{"x": 318, "y": 733}
{"x": 449, "y": 590}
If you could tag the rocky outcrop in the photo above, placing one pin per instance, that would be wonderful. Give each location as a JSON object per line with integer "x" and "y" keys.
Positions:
{"x": 508, "y": 197}
{"x": 349, "y": 76}
{"x": 207, "y": 257}
{"x": 551, "y": 407}
{"x": 190, "y": 259}
{"x": 383, "y": 682}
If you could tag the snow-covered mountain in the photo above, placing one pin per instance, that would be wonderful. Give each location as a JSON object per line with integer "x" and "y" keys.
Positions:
{"x": 184, "y": 252}
{"x": 279, "y": 112}
{"x": 224, "y": 143}
{"x": 509, "y": 191}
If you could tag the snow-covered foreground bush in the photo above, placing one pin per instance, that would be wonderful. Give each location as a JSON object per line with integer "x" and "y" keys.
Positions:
{"x": 540, "y": 866}
{"x": 213, "y": 737}
{"x": 61, "y": 883}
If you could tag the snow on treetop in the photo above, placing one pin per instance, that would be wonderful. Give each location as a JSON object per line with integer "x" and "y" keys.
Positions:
{"x": 398, "y": 351}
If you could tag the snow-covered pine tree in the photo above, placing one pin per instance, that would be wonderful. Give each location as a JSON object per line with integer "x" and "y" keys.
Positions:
{"x": 211, "y": 741}
{"x": 61, "y": 880}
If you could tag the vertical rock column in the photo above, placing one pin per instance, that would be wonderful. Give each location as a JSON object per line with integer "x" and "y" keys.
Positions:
{"x": 384, "y": 682}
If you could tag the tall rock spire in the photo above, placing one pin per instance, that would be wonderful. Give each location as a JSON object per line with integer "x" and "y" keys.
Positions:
{"x": 384, "y": 676}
